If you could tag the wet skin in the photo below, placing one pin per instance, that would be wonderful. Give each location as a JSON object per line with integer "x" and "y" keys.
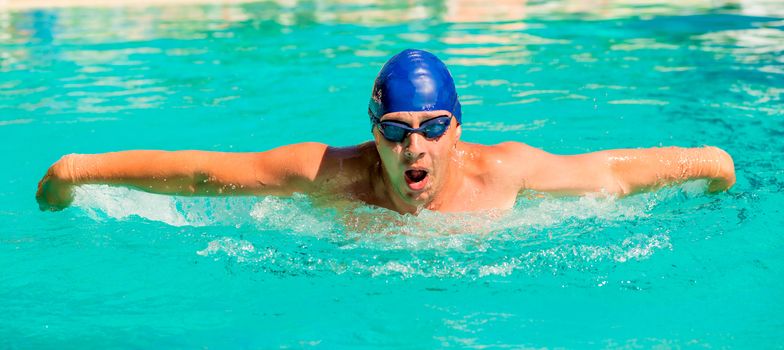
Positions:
{"x": 458, "y": 176}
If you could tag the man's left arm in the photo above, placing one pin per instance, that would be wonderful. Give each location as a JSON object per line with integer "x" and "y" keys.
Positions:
{"x": 622, "y": 171}
{"x": 643, "y": 169}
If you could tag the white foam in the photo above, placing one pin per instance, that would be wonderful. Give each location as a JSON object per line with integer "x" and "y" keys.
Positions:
{"x": 538, "y": 235}
{"x": 295, "y": 214}
{"x": 230, "y": 246}
{"x": 298, "y": 214}
{"x": 100, "y": 201}
{"x": 637, "y": 247}
{"x": 121, "y": 203}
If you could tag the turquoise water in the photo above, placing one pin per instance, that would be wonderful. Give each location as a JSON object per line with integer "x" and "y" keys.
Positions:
{"x": 671, "y": 269}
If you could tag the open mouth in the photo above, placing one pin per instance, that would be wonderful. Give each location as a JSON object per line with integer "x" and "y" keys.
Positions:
{"x": 416, "y": 179}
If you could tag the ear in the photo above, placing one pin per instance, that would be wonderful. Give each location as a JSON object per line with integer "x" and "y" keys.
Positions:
{"x": 458, "y": 131}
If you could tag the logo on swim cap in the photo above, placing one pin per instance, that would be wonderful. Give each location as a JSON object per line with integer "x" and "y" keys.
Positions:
{"x": 412, "y": 81}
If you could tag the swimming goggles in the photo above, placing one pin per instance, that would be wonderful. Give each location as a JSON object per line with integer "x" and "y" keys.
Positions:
{"x": 397, "y": 132}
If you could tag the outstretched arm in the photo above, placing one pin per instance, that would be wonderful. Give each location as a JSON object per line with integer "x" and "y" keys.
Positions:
{"x": 624, "y": 171}
{"x": 281, "y": 171}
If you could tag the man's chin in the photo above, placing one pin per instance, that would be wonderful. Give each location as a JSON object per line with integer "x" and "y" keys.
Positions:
{"x": 417, "y": 194}
{"x": 421, "y": 197}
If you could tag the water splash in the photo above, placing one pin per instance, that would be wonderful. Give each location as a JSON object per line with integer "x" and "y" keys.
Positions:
{"x": 555, "y": 261}
{"x": 539, "y": 235}
{"x": 101, "y": 201}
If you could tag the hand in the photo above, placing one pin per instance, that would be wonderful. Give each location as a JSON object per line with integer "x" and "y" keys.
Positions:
{"x": 55, "y": 190}
{"x": 725, "y": 176}
{"x": 720, "y": 184}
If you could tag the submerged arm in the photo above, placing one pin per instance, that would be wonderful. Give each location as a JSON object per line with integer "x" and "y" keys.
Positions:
{"x": 625, "y": 171}
{"x": 280, "y": 171}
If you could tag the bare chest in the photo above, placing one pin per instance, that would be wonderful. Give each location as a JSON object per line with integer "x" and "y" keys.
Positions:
{"x": 476, "y": 195}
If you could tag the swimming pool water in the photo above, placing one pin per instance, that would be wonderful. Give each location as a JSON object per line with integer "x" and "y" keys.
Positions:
{"x": 122, "y": 268}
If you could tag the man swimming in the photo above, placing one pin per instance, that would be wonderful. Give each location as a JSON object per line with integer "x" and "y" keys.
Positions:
{"x": 415, "y": 161}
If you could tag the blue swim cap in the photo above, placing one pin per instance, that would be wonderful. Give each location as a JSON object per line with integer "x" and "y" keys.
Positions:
{"x": 412, "y": 81}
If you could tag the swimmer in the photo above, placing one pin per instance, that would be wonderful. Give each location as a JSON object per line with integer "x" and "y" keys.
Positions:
{"x": 415, "y": 161}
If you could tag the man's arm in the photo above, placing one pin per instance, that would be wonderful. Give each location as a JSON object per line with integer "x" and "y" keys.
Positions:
{"x": 280, "y": 171}
{"x": 622, "y": 171}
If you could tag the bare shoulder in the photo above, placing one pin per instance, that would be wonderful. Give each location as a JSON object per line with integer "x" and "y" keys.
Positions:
{"x": 512, "y": 164}
{"x": 320, "y": 156}
{"x": 500, "y": 164}
{"x": 523, "y": 150}
{"x": 356, "y": 155}
{"x": 505, "y": 154}
{"x": 347, "y": 166}
{"x": 313, "y": 166}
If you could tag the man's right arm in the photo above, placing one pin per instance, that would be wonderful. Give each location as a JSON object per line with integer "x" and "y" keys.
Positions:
{"x": 279, "y": 171}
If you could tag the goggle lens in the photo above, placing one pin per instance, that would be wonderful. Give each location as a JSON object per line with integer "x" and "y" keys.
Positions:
{"x": 431, "y": 129}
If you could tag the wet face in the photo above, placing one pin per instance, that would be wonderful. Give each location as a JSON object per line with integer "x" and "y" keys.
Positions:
{"x": 417, "y": 167}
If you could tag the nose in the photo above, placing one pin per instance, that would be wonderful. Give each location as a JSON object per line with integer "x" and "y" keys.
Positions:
{"x": 414, "y": 146}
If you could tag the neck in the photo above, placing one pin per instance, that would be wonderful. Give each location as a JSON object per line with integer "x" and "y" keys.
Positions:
{"x": 450, "y": 186}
